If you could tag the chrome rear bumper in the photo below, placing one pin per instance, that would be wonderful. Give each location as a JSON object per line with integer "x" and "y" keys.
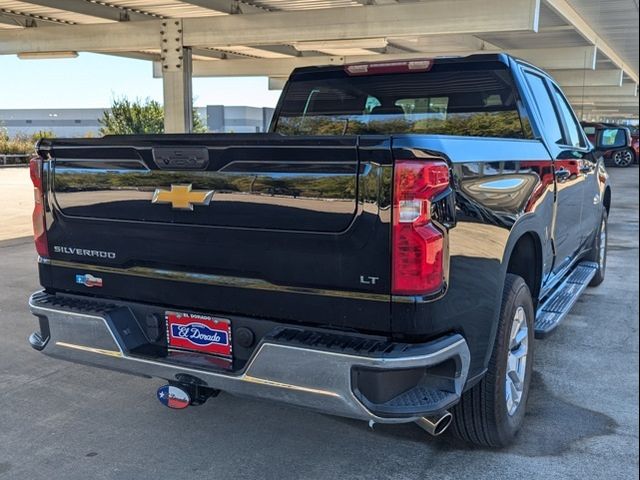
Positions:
{"x": 321, "y": 380}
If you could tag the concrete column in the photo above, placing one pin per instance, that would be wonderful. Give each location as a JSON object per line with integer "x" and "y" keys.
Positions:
{"x": 176, "y": 79}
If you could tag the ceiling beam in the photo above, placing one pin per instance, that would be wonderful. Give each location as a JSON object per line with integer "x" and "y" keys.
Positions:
{"x": 609, "y": 113}
{"x": 287, "y": 50}
{"x": 623, "y": 112}
{"x": 377, "y": 2}
{"x": 227, "y": 6}
{"x": 108, "y": 37}
{"x": 559, "y": 58}
{"x": 31, "y": 19}
{"x": 604, "y": 111}
{"x": 97, "y": 10}
{"x": 442, "y": 43}
{"x": 605, "y": 101}
{"x": 153, "y": 57}
{"x": 626, "y": 90}
{"x": 565, "y": 11}
{"x": 436, "y": 17}
{"x": 361, "y": 43}
{"x": 240, "y": 51}
{"x": 622, "y": 108}
{"x": 282, "y": 67}
{"x": 593, "y": 78}
{"x": 12, "y": 20}
{"x": 213, "y": 53}
{"x": 608, "y": 102}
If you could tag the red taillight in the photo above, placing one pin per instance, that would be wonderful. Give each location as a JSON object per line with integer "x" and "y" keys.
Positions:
{"x": 418, "y": 256}
{"x": 39, "y": 227}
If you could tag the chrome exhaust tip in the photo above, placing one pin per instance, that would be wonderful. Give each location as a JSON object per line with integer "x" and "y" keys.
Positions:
{"x": 435, "y": 425}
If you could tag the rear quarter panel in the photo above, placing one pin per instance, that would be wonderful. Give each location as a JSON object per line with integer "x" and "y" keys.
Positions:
{"x": 504, "y": 189}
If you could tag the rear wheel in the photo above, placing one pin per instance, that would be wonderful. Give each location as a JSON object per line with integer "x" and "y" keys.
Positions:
{"x": 491, "y": 413}
{"x": 599, "y": 251}
{"x": 624, "y": 158}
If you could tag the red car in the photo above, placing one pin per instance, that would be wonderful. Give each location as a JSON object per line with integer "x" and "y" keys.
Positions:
{"x": 617, "y": 156}
{"x": 635, "y": 141}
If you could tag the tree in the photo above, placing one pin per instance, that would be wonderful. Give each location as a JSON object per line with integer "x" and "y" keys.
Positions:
{"x": 21, "y": 143}
{"x": 138, "y": 117}
{"x": 40, "y": 134}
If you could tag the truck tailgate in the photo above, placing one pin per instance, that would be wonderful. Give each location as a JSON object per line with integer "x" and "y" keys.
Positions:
{"x": 258, "y": 225}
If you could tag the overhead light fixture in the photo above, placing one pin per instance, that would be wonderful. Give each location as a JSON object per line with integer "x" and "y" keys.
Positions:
{"x": 341, "y": 44}
{"x": 46, "y": 55}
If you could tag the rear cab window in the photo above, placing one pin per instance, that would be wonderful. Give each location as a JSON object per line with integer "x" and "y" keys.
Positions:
{"x": 476, "y": 100}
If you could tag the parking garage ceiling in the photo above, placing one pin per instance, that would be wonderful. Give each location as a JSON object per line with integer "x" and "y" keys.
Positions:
{"x": 589, "y": 46}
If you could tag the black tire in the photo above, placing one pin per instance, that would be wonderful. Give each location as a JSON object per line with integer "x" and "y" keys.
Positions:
{"x": 594, "y": 255}
{"x": 482, "y": 416}
{"x": 624, "y": 158}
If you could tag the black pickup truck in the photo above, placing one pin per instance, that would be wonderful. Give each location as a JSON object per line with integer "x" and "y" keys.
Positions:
{"x": 387, "y": 252}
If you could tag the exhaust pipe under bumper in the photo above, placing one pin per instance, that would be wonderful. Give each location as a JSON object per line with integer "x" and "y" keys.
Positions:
{"x": 435, "y": 425}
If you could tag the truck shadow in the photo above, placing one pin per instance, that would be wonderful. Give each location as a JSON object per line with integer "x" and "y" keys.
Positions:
{"x": 551, "y": 428}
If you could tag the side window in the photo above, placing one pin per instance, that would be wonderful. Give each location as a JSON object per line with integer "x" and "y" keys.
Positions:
{"x": 545, "y": 105}
{"x": 575, "y": 139}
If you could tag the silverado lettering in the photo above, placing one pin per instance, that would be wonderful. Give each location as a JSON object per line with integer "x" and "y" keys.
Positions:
{"x": 464, "y": 188}
{"x": 83, "y": 252}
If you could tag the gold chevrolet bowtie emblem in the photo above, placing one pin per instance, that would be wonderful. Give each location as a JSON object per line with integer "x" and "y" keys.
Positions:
{"x": 181, "y": 197}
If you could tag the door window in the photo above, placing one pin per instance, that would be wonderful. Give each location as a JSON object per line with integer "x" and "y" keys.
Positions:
{"x": 575, "y": 139}
{"x": 549, "y": 119}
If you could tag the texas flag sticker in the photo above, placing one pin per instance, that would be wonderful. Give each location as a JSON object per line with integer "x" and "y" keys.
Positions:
{"x": 173, "y": 397}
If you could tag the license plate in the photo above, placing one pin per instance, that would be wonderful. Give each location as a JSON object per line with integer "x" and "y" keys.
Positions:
{"x": 199, "y": 333}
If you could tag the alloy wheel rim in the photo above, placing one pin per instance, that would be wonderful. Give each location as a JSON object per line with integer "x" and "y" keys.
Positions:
{"x": 517, "y": 361}
{"x": 622, "y": 159}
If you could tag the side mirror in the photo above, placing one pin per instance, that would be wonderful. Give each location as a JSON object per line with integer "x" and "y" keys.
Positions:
{"x": 612, "y": 138}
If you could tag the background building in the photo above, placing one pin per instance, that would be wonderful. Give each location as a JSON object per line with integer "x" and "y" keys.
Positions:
{"x": 63, "y": 122}
{"x": 222, "y": 119}
{"x": 81, "y": 122}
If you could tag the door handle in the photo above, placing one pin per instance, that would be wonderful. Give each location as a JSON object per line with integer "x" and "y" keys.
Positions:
{"x": 586, "y": 169}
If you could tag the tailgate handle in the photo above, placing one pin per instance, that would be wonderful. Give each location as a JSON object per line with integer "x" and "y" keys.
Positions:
{"x": 181, "y": 158}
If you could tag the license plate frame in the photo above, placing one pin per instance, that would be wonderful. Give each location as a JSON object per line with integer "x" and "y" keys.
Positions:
{"x": 195, "y": 332}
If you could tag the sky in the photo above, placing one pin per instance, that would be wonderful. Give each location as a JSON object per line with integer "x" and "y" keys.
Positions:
{"x": 93, "y": 80}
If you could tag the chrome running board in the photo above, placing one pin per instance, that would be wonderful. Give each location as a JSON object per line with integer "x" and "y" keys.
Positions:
{"x": 556, "y": 307}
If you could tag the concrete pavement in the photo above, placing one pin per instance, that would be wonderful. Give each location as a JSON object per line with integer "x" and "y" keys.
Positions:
{"x": 16, "y": 202}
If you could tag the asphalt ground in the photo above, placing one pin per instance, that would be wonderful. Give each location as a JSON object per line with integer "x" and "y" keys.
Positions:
{"x": 64, "y": 421}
